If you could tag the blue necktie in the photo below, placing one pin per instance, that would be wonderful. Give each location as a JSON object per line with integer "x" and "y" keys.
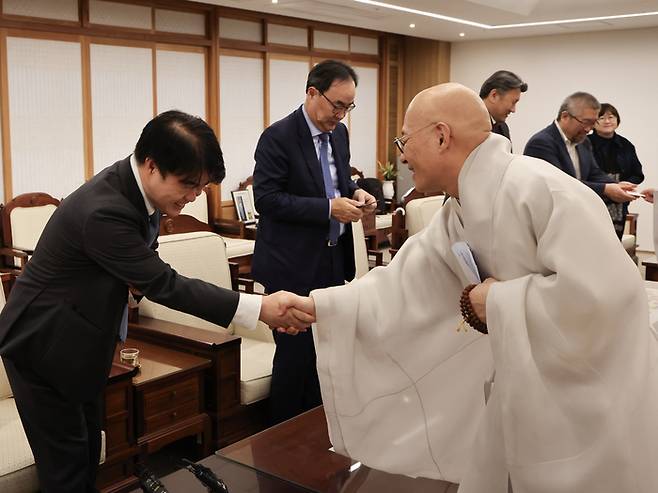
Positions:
{"x": 154, "y": 227}
{"x": 334, "y": 225}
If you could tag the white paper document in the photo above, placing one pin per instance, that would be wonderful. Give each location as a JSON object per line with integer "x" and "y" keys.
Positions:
{"x": 465, "y": 258}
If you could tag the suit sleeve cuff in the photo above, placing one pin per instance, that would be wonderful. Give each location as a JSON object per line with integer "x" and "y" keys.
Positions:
{"x": 248, "y": 311}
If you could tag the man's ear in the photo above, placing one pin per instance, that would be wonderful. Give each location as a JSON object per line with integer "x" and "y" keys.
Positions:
{"x": 443, "y": 131}
{"x": 150, "y": 165}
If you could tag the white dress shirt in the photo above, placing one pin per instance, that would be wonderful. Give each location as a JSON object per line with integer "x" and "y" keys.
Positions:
{"x": 315, "y": 133}
{"x": 571, "y": 149}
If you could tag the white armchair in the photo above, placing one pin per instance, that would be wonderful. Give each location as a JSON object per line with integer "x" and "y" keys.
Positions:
{"x": 419, "y": 212}
{"x": 416, "y": 215}
{"x": 239, "y": 250}
{"x": 23, "y": 220}
{"x": 203, "y": 255}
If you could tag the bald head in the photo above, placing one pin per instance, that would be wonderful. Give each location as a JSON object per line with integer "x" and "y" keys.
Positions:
{"x": 451, "y": 120}
{"x": 456, "y": 105}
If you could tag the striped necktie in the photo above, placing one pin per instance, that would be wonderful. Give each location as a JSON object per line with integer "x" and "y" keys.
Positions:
{"x": 334, "y": 225}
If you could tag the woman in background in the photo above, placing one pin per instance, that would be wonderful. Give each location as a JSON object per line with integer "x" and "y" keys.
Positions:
{"x": 616, "y": 156}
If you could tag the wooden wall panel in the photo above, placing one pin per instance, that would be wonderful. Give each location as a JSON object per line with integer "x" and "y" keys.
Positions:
{"x": 427, "y": 63}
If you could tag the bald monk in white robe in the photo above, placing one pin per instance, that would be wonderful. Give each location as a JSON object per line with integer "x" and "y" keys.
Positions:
{"x": 574, "y": 406}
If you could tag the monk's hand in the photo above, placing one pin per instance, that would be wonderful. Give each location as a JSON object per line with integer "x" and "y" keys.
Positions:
{"x": 346, "y": 210}
{"x": 648, "y": 194}
{"x": 369, "y": 202}
{"x": 478, "y": 297}
{"x": 287, "y": 312}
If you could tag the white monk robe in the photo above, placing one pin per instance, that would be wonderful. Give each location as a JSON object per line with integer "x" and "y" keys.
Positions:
{"x": 574, "y": 407}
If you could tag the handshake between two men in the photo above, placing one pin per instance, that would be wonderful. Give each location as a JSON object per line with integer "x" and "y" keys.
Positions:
{"x": 287, "y": 312}
{"x": 290, "y": 313}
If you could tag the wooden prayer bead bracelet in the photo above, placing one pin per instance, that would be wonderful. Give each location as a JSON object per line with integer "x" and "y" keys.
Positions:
{"x": 468, "y": 313}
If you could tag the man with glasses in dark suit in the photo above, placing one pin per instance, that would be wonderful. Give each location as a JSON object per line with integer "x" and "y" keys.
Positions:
{"x": 306, "y": 202}
{"x": 563, "y": 144}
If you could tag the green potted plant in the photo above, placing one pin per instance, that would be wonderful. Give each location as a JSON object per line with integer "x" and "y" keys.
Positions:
{"x": 389, "y": 173}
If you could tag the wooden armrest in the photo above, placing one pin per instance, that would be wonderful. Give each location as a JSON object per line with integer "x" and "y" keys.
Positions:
{"x": 235, "y": 273}
{"x": 393, "y": 251}
{"x": 229, "y": 227}
{"x": 399, "y": 233}
{"x": 379, "y": 257}
{"x": 178, "y": 335}
{"x": 238, "y": 282}
{"x": 631, "y": 219}
{"x": 246, "y": 284}
{"x": 12, "y": 252}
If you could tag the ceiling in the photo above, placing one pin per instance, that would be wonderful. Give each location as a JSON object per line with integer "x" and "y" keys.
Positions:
{"x": 492, "y": 13}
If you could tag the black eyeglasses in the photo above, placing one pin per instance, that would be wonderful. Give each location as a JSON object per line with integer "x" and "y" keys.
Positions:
{"x": 339, "y": 107}
{"x": 584, "y": 123}
{"x": 401, "y": 141}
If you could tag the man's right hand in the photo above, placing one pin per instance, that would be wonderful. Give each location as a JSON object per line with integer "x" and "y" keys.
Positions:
{"x": 617, "y": 193}
{"x": 287, "y": 312}
{"x": 345, "y": 210}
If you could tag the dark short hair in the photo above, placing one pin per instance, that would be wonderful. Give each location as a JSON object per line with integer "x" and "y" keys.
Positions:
{"x": 183, "y": 145}
{"x": 326, "y": 72}
{"x": 579, "y": 98}
{"x": 502, "y": 81}
{"x": 608, "y": 108}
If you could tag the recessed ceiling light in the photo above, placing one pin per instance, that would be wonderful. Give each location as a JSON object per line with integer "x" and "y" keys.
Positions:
{"x": 502, "y": 26}
{"x": 412, "y": 26}
{"x": 461, "y": 35}
{"x": 275, "y": 1}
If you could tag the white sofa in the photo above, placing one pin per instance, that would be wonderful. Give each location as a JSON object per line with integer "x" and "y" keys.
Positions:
{"x": 203, "y": 255}
{"x": 17, "y": 471}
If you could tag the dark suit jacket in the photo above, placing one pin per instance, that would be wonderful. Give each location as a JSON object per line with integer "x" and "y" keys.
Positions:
{"x": 500, "y": 128}
{"x": 62, "y": 317}
{"x": 293, "y": 207}
{"x": 547, "y": 144}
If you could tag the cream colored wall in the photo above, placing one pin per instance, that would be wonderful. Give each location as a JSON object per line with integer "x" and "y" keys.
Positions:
{"x": 619, "y": 67}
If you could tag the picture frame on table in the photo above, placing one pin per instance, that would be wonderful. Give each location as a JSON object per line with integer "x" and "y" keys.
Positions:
{"x": 244, "y": 206}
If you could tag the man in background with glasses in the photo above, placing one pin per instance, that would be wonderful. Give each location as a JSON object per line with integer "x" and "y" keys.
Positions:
{"x": 563, "y": 144}
{"x": 306, "y": 201}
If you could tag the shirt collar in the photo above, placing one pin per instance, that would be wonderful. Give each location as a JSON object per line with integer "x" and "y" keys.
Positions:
{"x": 311, "y": 126}
{"x": 133, "y": 165}
{"x": 564, "y": 137}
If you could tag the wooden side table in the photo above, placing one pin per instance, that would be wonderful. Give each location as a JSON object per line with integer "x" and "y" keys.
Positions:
{"x": 222, "y": 377}
{"x": 117, "y": 472}
{"x": 169, "y": 398}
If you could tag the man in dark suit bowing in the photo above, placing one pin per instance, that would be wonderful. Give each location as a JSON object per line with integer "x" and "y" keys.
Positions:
{"x": 59, "y": 328}
{"x": 563, "y": 144}
{"x": 306, "y": 201}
